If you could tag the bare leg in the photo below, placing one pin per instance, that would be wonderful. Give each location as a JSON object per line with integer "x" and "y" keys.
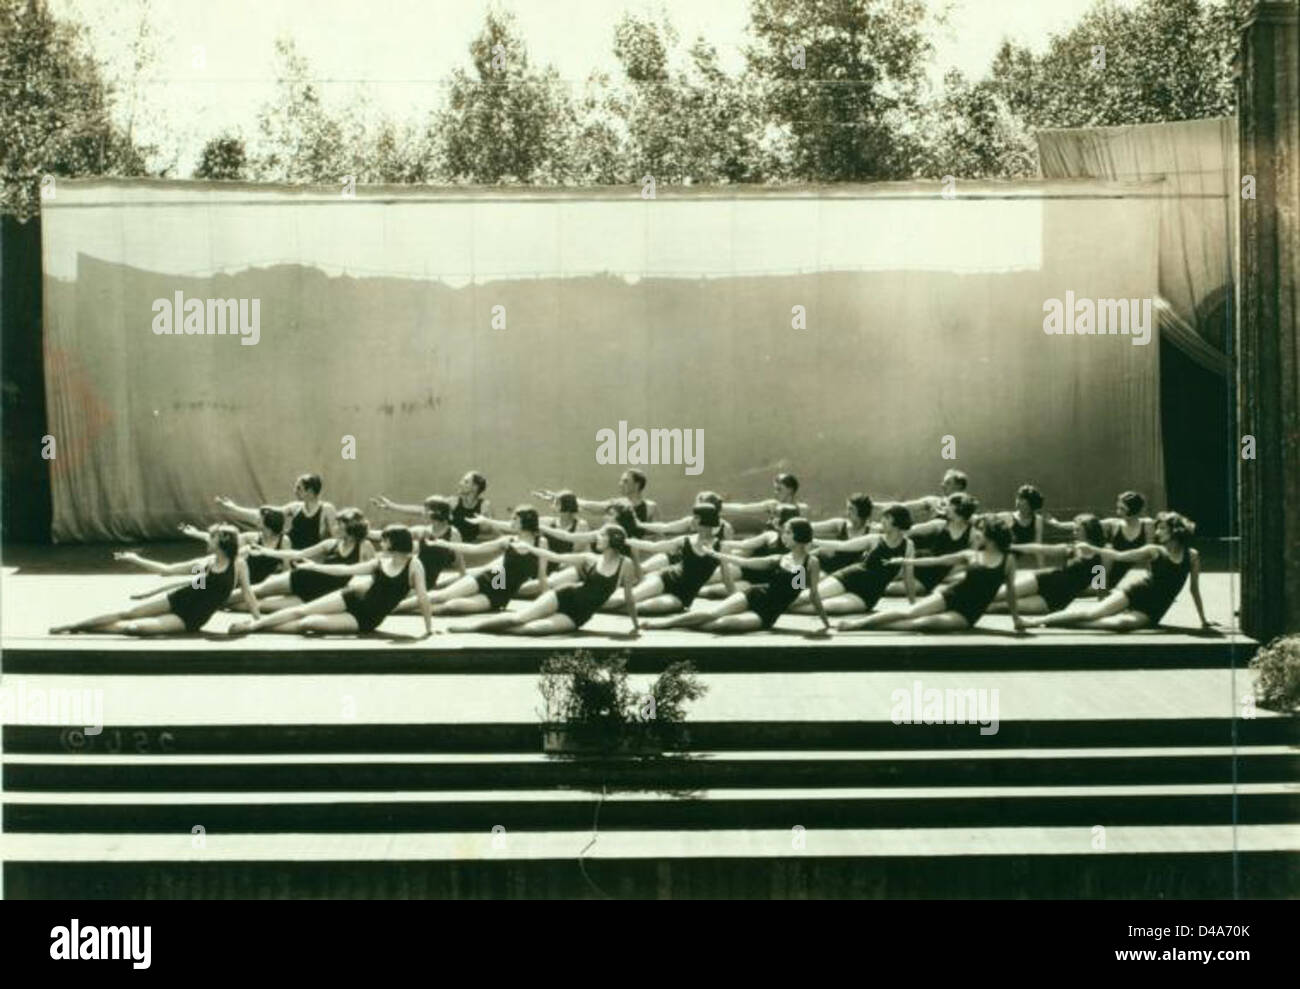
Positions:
{"x": 343, "y": 624}
{"x": 1114, "y": 603}
{"x": 550, "y": 625}
{"x": 145, "y": 609}
{"x": 830, "y": 587}
{"x": 1026, "y": 587}
{"x": 733, "y": 605}
{"x": 475, "y": 604}
{"x": 663, "y": 604}
{"x": 746, "y": 621}
{"x": 1032, "y": 605}
{"x": 330, "y": 604}
{"x": 1125, "y": 621}
{"x": 932, "y": 604}
{"x": 503, "y": 621}
{"x": 460, "y": 588}
{"x": 648, "y": 587}
{"x": 945, "y": 621}
{"x": 841, "y": 604}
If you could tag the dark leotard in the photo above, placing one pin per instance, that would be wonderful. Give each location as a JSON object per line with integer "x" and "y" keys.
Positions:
{"x": 560, "y": 545}
{"x": 869, "y": 578}
{"x": 1059, "y": 587}
{"x": 941, "y": 544}
{"x": 435, "y": 560}
{"x": 1121, "y": 543}
{"x": 501, "y": 583}
{"x": 372, "y": 606}
{"x": 261, "y": 567}
{"x": 842, "y": 558}
{"x": 1023, "y": 533}
{"x": 580, "y": 601}
{"x": 774, "y": 548}
{"x": 971, "y": 596}
{"x": 683, "y": 580}
{"x": 459, "y": 518}
{"x": 770, "y": 600}
{"x": 195, "y": 605}
{"x": 309, "y": 585}
{"x": 304, "y": 530}
{"x": 1154, "y": 591}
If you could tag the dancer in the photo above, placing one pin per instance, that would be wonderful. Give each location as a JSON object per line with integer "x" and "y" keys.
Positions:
{"x": 468, "y": 503}
{"x": 936, "y": 506}
{"x": 436, "y": 544}
{"x": 989, "y": 563}
{"x": 858, "y": 587}
{"x": 348, "y": 546}
{"x": 631, "y": 489}
{"x": 491, "y": 588}
{"x": 270, "y": 534}
{"x": 856, "y": 524}
{"x": 187, "y": 608}
{"x": 394, "y": 571}
{"x": 1128, "y": 530}
{"x": 670, "y": 551}
{"x": 1040, "y": 592}
{"x": 1143, "y": 597}
{"x": 309, "y": 518}
{"x": 569, "y": 608}
{"x": 761, "y": 605}
{"x": 941, "y": 537}
{"x": 1027, "y": 520}
{"x": 769, "y": 542}
{"x": 674, "y": 588}
{"x": 785, "y": 487}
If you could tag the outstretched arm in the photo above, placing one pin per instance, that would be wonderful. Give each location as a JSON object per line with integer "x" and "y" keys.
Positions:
{"x": 153, "y": 566}
{"x": 570, "y": 559}
{"x": 383, "y": 501}
{"x": 341, "y": 569}
{"x": 248, "y": 514}
{"x": 947, "y": 560}
{"x": 745, "y": 562}
{"x": 857, "y": 544}
{"x": 1044, "y": 549}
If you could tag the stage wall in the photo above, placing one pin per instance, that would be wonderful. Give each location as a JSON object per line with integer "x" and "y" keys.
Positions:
{"x": 924, "y": 319}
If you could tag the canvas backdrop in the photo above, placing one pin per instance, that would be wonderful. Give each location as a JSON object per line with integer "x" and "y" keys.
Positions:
{"x": 923, "y": 320}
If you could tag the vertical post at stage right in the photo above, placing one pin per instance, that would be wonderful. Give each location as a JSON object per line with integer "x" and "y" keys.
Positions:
{"x": 1268, "y": 325}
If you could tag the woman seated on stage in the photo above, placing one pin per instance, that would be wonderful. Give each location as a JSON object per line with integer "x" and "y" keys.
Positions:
{"x": 1041, "y": 591}
{"x": 468, "y": 503}
{"x": 620, "y": 514}
{"x": 347, "y": 546}
{"x": 436, "y": 544}
{"x": 989, "y": 563}
{"x": 788, "y": 575}
{"x": 490, "y": 588}
{"x": 309, "y": 519}
{"x": 941, "y": 537}
{"x": 660, "y": 557}
{"x": 675, "y": 587}
{"x": 394, "y": 572}
{"x": 557, "y": 612}
{"x": 1128, "y": 530}
{"x": 769, "y": 542}
{"x": 270, "y": 534}
{"x": 856, "y": 524}
{"x": 1143, "y": 596}
{"x": 631, "y": 489}
{"x": 857, "y": 588}
{"x": 786, "y": 489}
{"x": 186, "y": 608}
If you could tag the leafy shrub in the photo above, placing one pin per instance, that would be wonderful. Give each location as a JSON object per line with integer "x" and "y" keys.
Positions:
{"x": 1277, "y": 671}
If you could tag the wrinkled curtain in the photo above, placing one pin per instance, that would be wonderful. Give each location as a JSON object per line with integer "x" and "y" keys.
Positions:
{"x": 840, "y": 334}
{"x": 1197, "y": 161}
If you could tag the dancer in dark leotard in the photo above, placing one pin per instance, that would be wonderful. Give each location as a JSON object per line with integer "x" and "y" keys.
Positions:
{"x": 468, "y": 503}
{"x": 959, "y": 606}
{"x": 760, "y": 606}
{"x": 270, "y": 534}
{"x": 1041, "y": 591}
{"x": 769, "y": 542}
{"x": 394, "y": 571}
{"x": 858, "y": 587}
{"x": 491, "y": 588}
{"x": 670, "y": 553}
{"x": 675, "y": 587}
{"x": 1143, "y": 597}
{"x": 1128, "y": 530}
{"x": 941, "y": 537}
{"x": 785, "y": 488}
{"x": 347, "y": 547}
{"x": 187, "y": 608}
{"x": 309, "y": 518}
{"x": 568, "y": 609}
{"x": 437, "y": 545}
{"x": 855, "y": 524}
{"x": 631, "y": 489}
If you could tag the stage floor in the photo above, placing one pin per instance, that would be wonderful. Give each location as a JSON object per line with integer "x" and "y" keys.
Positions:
{"x": 32, "y": 598}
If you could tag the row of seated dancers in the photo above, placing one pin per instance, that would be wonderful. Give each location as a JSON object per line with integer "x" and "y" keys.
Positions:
{"x": 309, "y": 568}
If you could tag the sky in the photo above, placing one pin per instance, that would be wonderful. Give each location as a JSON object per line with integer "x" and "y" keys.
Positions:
{"x": 215, "y": 61}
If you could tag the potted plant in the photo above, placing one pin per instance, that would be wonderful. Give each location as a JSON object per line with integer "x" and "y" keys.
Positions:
{"x": 1277, "y": 674}
{"x": 589, "y": 707}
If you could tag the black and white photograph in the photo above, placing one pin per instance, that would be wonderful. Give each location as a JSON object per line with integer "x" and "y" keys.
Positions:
{"x": 584, "y": 450}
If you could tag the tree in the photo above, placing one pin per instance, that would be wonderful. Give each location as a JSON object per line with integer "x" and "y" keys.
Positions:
{"x": 975, "y": 134}
{"x": 57, "y": 117}
{"x": 223, "y": 157}
{"x": 1162, "y": 60}
{"x": 692, "y": 125}
{"x": 841, "y": 80}
{"x": 505, "y": 122}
